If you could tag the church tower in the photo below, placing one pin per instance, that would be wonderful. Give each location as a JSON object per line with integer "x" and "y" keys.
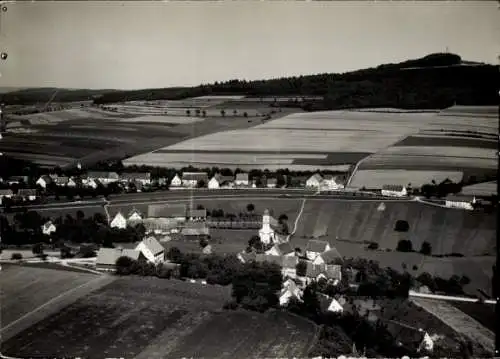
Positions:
{"x": 266, "y": 233}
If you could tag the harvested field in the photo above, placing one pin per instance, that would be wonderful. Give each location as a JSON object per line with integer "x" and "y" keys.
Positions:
{"x": 448, "y": 141}
{"x": 447, "y": 230}
{"x": 483, "y": 313}
{"x": 377, "y": 178}
{"x": 29, "y": 294}
{"x": 459, "y": 321}
{"x": 163, "y": 119}
{"x": 154, "y": 318}
{"x": 440, "y": 151}
{"x": 481, "y": 189}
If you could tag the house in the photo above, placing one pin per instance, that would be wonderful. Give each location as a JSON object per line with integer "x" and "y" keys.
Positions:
{"x": 103, "y": 176}
{"x": 27, "y": 194}
{"x": 298, "y": 181}
{"x": 91, "y": 182}
{"x": 17, "y": 180}
{"x": 5, "y": 193}
{"x": 160, "y": 225}
{"x": 394, "y": 191}
{"x": 194, "y": 179}
{"x": 213, "y": 183}
{"x": 271, "y": 183}
{"x": 107, "y": 257}
{"x": 242, "y": 179}
{"x": 281, "y": 249}
{"x": 460, "y": 202}
{"x": 119, "y": 221}
{"x": 44, "y": 181}
{"x": 289, "y": 266}
{"x": 173, "y": 211}
{"x": 48, "y": 228}
{"x": 196, "y": 214}
{"x": 261, "y": 258}
{"x": 207, "y": 249}
{"x": 144, "y": 178}
{"x": 314, "y": 181}
{"x": 332, "y": 183}
{"x": 329, "y": 304}
{"x": 328, "y": 257}
{"x": 152, "y": 250}
{"x": 195, "y": 229}
{"x": 64, "y": 182}
{"x": 266, "y": 233}
{"x": 331, "y": 273}
{"x": 290, "y": 290}
{"x": 134, "y": 216}
{"x": 219, "y": 181}
{"x": 246, "y": 257}
{"x": 176, "y": 182}
{"x": 410, "y": 337}
{"x": 315, "y": 247}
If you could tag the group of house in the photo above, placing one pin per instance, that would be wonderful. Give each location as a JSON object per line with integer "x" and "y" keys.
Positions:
{"x": 319, "y": 260}
{"x": 25, "y": 194}
{"x": 327, "y": 182}
{"x": 166, "y": 219}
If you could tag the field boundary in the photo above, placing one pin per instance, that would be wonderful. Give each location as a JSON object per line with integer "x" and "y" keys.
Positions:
{"x": 52, "y": 306}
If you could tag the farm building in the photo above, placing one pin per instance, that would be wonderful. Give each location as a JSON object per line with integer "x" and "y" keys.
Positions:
{"x": 160, "y": 225}
{"x": 242, "y": 179}
{"x": 194, "y": 179}
{"x": 410, "y": 337}
{"x": 134, "y": 216}
{"x": 314, "y": 181}
{"x": 194, "y": 230}
{"x": 271, "y": 182}
{"x": 290, "y": 290}
{"x": 144, "y": 178}
{"x": 460, "y": 202}
{"x": 329, "y": 304}
{"x": 316, "y": 247}
{"x": 289, "y": 266}
{"x": 261, "y": 258}
{"x": 44, "y": 181}
{"x": 332, "y": 183}
{"x": 119, "y": 221}
{"x": 48, "y": 228}
{"x": 219, "y": 181}
{"x": 17, "y": 180}
{"x": 107, "y": 257}
{"x": 91, "y": 182}
{"x": 266, "y": 233}
{"x": 328, "y": 257}
{"x": 27, "y": 194}
{"x": 196, "y": 214}
{"x": 103, "y": 176}
{"x": 394, "y": 191}
{"x": 207, "y": 249}
{"x": 152, "y": 250}
{"x": 5, "y": 193}
{"x": 173, "y": 211}
{"x": 316, "y": 272}
{"x": 176, "y": 182}
{"x": 282, "y": 249}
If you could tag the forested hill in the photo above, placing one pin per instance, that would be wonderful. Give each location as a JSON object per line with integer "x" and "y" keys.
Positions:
{"x": 434, "y": 81}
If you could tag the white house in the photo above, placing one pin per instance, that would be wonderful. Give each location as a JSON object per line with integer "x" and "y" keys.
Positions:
{"x": 271, "y": 183}
{"x": 331, "y": 183}
{"x": 242, "y": 179}
{"x": 91, "y": 182}
{"x": 328, "y": 257}
{"x": 266, "y": 233}
{"x": 144, "y": 178}
{"x": 119, "y": 221}
{"x": 219, "y": 181}
{"x": 207, "y": 249}
{"x": 48, "y": 228}
{"x": 281, "y": 249}
{"x": 104, "y": 177}
{"x": 213, "y": 183}
{"x": 193, "y": 179}
{"x": 64, "y": 181}
{"x": 176, "y": 181}
{"x": 134, "y": 216}
{"x": 291, "y": 290}
{"x": 394, "y": 191}
{"x": 460, "y": 203}
{"x": 314, "y": 181}
{"x": 44, "y": 181}
{"x": 152, "y": 250}
{"x": 329, "y": 304}
{"x": 316, "y": 247}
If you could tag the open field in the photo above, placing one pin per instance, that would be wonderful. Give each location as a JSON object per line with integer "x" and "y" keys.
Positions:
{"x": 483, "y": 313}
{"x": 29, "y": 294}
{"x": 156, "y": 318}
{"x": 376, "y": 178}
{"x": 447, "y": 230}
{"x": 481, "y": 189}
{"x": 458, "y": 321}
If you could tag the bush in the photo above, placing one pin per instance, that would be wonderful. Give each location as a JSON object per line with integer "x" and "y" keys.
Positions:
{"x": 373, "y": 246}
{"x": 401, "y": 226}
{"x": 16, "y": 256}
{"x": 404, "y": 245}
{"x": 426, "y": 249}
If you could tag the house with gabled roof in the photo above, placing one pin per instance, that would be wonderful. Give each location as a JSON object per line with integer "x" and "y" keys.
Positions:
{"x": 107, "y": 257}
{"x": 247, "y": 257}
{"x": 195, "y": 229}
{"x": 289, "y": 266}
{"x": 176, "y": 182}
{"x": 316, "y": 272}
{"x": 196, "y": 214}
{"x": 314, "y": 181}
{"x": 219, "y": 181}
{"x": 104, "y": 177}
{"x": 328, "y": 257}
{"x": 329, "y": 304}
{"x": 332, "y": 183}
{"x": 242, "y": 179}
{"x": 160, "y": 225}
{"x": 27, "y": 194}
{"x": 271, "y": 182}
{"x": 394, "y": 191}
{"x": 410, "y": 337}
{"x": 134, "y": 216}
{"x": 152, "y": 250}
{"x": 118, "y": 221}
{"x": 44, "y": 181}
{"x": 316, "y": 247}
{"x": 289, "y": 290}
{"x": 207, "y": 249}
{"x": 193, "y": 179}
{"x": 48, "y": 228}
{"x": 144, "y": 178}
{"x": 261, "y": 258}
{"x": 281, "y": 249}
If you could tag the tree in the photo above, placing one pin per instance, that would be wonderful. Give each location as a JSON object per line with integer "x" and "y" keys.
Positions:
{"x": 250, "y": 207}
{"x": 222, "y": 113}
{"x": 235, "y": 112}
{"x": 174, "y": 254}
{"x": 404, "y": 245}
{"x": 301, "y": 268}
{"x": 245, "y": 114}
{"x": 426, "y": 249}
{"x": 124, "y": 265}
{"x": 373, "y": 246}
{"x": 204, "y": 113}
{"x": 401, "y": 226}
{"x": 256, "y": 243}
{"x": 188, "y": 112}
{"x": 16, "y": 256}
{"x": 37, "y": 249}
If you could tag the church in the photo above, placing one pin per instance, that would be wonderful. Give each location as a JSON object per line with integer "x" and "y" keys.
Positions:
{"x": 266, "y": 233}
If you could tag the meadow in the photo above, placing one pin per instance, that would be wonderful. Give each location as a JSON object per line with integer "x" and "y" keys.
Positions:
{"x": 157, "y": 318}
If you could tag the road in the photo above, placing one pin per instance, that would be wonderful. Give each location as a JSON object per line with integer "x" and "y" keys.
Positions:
{"x": 183, "y": 195}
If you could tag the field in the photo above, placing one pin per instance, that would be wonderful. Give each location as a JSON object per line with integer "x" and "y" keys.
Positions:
{"x": 158, "y": 318}
{"x": 484, "y": 189}
{"x": 29, "y": 294}
{"x": 458, "y": 321}
{"x": 483, "y": 313}
{"x": 376, "y": 178}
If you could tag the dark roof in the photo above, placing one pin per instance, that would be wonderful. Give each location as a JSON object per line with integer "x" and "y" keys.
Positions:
{"x": 46, "y": 178}
{"x": 136, "y": 176}
{"x": 269, "y": 258}
{"x": 330, "y": 255}
{"x": 61, "y": 180}
{"x": 316, "y": 245}
{"x": 166, "y": 210}
{"x": 333, "y": 271}
{"x": 242, "y": 177}
{"x": 108, "y": 256}
{"x": 285, "y": 248}
{"x": 405, "y": 334}
{"x": 290, "y": 262}
{"x": 392, "y": 187}
{"x": 313, "y": 270}
{"x": 223, "y": 179}
{"x": 195, "y": 176}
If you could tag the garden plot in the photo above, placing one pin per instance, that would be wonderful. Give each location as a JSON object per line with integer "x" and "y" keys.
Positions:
{"x": 372, "y": 178}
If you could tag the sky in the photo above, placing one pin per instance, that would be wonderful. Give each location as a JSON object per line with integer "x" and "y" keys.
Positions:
{"x": 132, "y": 45}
